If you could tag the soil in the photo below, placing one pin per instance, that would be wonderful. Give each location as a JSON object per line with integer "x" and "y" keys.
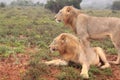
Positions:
{"x": 13, "y": 67}
{"x": 115, "y": 69}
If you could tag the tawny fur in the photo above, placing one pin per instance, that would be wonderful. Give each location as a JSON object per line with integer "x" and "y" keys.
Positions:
{"x": 89, "y": 27}
{"x": 71, "y": 49}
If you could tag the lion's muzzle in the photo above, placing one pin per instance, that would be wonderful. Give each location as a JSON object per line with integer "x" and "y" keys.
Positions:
{"x": 52, "y": 48}
{"x": 57, "y": 20}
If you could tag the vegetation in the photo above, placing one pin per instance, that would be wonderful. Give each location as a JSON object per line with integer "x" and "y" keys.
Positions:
{"x": 56, "y": 5}
{"x": 2, "y": 5}
{"x": 116, "y": 5}
{"x": 22, "y": 3}
{"x": 34, "y": 27}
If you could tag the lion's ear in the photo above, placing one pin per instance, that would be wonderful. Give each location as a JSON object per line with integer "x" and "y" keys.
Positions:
{"x": 63, "y": 38}
{"x": 69, "y": 8}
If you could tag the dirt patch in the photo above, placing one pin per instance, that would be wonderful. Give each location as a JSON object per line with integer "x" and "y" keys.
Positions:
{"x": 13, "y": 67}
{"x": 115, "y": 69}
{"x": 53, "y": 72}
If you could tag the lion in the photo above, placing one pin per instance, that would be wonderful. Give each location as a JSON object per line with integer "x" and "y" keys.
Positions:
{"x": 89, "y": 27}
{"x": 71, "y": 49}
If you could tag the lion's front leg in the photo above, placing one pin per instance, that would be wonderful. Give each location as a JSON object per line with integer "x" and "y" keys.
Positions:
{"x": 84, "y": 72}
{"x": 57, "y": 62}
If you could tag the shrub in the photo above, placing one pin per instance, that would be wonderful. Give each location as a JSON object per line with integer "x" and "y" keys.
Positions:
{"x": 56, "y": 5}
{"x": 2, "y": 4}
{"x": 116, "y": 5}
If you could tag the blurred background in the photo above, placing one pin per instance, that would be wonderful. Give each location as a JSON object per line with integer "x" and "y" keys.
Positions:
{"x": 55, "y": 5}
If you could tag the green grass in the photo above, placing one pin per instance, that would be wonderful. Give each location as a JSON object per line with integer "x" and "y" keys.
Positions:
{"x": 95, "y": 71}
{"x": 27, "y": 27}
{"x": 34, "y": 27}
{"x": 68, "y": 73}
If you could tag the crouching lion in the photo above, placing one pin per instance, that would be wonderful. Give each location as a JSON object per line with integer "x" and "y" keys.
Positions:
{"x": 89, "y": 27}
{"x": 71, "y": 49}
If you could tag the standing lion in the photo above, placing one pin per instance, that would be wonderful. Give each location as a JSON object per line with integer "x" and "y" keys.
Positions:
{"x": 71, "y": 49}
{"x": 89, "y": 27}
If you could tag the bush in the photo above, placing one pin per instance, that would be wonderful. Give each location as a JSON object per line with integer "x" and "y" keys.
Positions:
{"x": 2, "y": 4}
{"x": 116, "y": 5}
{"x": 22, "y": 3}
{"x": 56, "y": 5}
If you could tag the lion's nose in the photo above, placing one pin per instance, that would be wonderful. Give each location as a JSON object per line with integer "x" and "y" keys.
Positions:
{"x": 53, "y": 49}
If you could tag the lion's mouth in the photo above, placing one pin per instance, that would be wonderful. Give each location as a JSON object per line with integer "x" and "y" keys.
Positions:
{"x": 58, "y": 21}
{"x": 53, "y": 49}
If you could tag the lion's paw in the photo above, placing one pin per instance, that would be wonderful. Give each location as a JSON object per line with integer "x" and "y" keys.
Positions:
{"x": 107, "y": 65}
{"x": 85, "y": 76}
{"x": 47, "y": 63}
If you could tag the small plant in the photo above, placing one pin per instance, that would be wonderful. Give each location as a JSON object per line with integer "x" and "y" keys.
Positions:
{"x": 19, "y": 50}
{"x": 36, "y": 71}
{"x": 96, "y": 71}
{"x": 5, "y": 51}
{"x": 68, "y": 73}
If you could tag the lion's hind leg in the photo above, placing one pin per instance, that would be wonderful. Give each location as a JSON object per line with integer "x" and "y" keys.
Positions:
{"x": 56, "y": 62}
{"x": 116, "y": 41}
{"x": 102, "y": 57}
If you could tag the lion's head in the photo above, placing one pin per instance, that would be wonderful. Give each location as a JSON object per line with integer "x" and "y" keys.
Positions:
{"x": 64, "y": 43}
{"x": 66, "y": 14}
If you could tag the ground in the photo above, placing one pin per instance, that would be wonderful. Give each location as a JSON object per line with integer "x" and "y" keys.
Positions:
{"x": 12, "y": 70}
{"x": 115, "y": 69}
{"x": 25, "y": 34}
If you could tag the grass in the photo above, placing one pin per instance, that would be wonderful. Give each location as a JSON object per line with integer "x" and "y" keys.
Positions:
{"x": 34, "y": 27}
{"x": 68, "y": 73}
{"x": 94, "y": 72}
